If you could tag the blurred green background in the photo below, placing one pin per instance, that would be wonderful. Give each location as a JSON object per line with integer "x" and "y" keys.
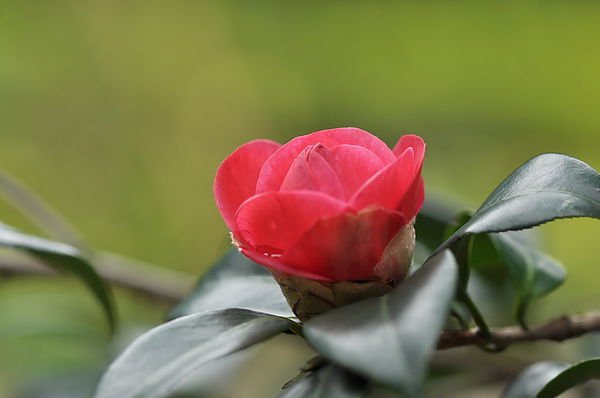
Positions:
{"x": 118, "y": 113}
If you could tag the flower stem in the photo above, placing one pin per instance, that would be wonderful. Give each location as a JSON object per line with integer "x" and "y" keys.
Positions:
{"x": 484, "y": 329}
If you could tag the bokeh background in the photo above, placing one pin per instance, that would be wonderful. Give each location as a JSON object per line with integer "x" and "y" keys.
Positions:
{"x": 118, "y": 113}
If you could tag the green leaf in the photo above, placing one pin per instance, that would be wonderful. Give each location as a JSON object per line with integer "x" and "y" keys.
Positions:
{"x": 235, "y": 282}
{"x": 326, "y": 382}
{"x": 532, "y": 273}
{"x": 532, "y": 379}
{"x": 461, "y": 250}
{"x": 485, "y": 259}
{"x": 433, "y": 220}
{"x": 545, "y": 188}
{"x": 389, "y": 339}
{"x": 158, "y": 360}
{"x": 38, "y": 211}
{"x": 76, "y": 384}
{"x": 64, "y": 258}
{"x": 577, "y": 374}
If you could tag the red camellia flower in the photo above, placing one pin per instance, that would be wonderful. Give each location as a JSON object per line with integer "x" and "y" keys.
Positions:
{"x": 326, "y": 206}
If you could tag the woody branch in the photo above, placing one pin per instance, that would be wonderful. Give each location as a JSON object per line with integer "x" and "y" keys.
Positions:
{"x": 563, "y": 328}
{"x": 170, "y": 287}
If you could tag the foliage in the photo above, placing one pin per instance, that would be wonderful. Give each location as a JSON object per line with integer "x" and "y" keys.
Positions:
{"x": 386, "y": 341}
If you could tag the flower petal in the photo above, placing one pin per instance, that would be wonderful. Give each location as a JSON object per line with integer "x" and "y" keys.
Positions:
{"x": 276, "y": 263}
{"x": 412, "y": 202}
{"x": 311, "y": 172}
{"x": 415, "y": 196}
{"x": 272, "y": 221}
{"x": 388, "y": 186}
{"x": 345, "y": 247}
{"x": 276, "y": 168}
{"x": 416, "y": 143}
{"x": 353, "y": 165}
{"x": 236, "y": 177}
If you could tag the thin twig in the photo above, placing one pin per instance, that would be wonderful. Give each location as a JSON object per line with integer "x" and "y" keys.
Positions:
{"x": 563, "y": 328}
{"x": 483, "y": 328}
{"x": 158, "y": 283}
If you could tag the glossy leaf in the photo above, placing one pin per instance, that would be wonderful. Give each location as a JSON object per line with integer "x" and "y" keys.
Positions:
{"x": 389, "y": 339}
{"x": 235, "y": 282}
{"x": 64, "y": 258}
{"x": 545, "y": 188}
{"x": 326, "y": 382}
{"x": 577, "y": 374}
{"x": 156, "y": 362}
{"x": 531, "y": 380}
{"x": 533, "y": 273}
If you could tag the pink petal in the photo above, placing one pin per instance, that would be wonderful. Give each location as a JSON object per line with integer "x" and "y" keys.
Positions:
{"x": 353, "y": 165}
{"x": 412, "y": 202}
{"x": 311, "y": 172}
{"x": 272, "y": 221}
{"x": 345, "y": 247}
{"x": 388, "y": 186}
{"x": 236, "y": 177}
{"x": 276, "y": 263}
{"x": 276, "y": 168}
{"x": 416, "y": 143}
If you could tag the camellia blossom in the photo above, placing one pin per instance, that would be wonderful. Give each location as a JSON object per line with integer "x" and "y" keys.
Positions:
{"x": 329, "y": 206}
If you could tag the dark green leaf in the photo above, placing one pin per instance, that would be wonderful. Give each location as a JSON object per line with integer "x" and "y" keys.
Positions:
{"x": 545, "y": 188}
{"x": 389, "y": 339}
{"x": 78, "y": 384}
{"x": 216, "y": 378}
{"x": 485, "y": 260}
{"x": 489, "y": 284}
{"x": 326, "y": 382}
{"x": 533, "y": 273}
{"x": 64, "y": 258}
{"x": 235, "y": 282}
{"x": 532, "y": 379}
{"x": 157, "y": 361}
{"x": 433, "y": 221}
{"x": 461, "y": 250}
{"x": 577, "y": 374}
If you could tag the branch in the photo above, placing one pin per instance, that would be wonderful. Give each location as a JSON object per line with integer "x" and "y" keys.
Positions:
{"x": 171, "y": 287}
{"x": 149, "y": 280}
{"x": 563, "y": 328}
